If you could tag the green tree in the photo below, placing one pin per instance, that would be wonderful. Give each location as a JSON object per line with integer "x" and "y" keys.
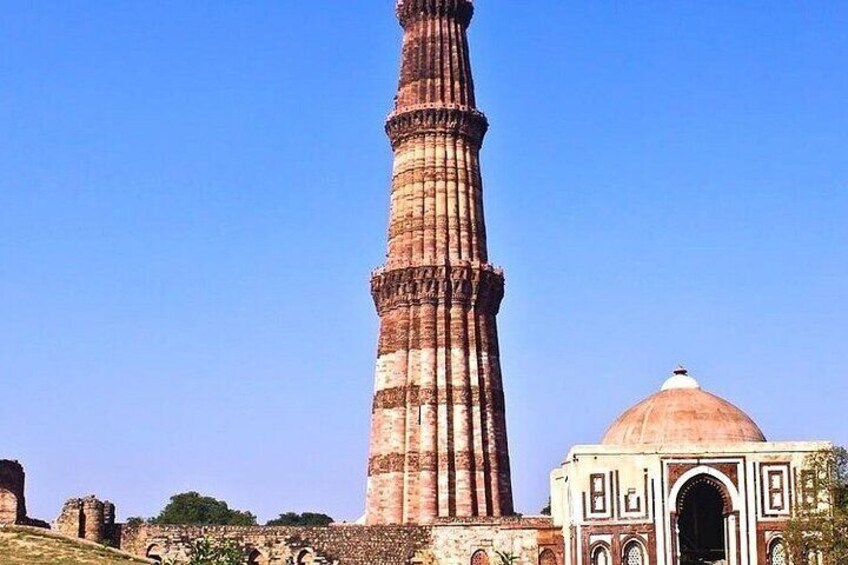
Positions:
{"x": 305, "y": 519}
{"x": 217, "y": 552}
{"x": 191, "y": 508}
{"x": 134, "y": 521}
{"x": 546, "y": 511}
{"x": 506, "y": 557}
{"x": 820, "y": 523}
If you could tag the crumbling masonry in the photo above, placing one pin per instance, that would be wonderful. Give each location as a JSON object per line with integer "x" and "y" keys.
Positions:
{"x": 12, "y": 501}
{"x": 89, "y": 518}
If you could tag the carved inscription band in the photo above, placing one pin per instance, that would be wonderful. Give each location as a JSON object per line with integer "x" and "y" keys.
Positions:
{"x": 429, "y": 461}
{"x": 414, "y": 396}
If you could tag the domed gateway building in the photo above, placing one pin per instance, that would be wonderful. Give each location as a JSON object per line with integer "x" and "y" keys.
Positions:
{"x": 684, "y": 477}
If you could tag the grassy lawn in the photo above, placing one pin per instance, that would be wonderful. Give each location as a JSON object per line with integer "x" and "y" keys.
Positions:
{"x": 25, "y": 547}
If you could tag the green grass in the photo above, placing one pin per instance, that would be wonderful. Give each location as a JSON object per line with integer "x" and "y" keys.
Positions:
{"x": 25, "y": 546}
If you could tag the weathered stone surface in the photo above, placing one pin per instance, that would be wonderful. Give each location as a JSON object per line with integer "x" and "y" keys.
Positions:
{"x": 12, "y": 502}
{"x": 89, "y": 518}
{"x": 472, "y": 286}
{"x": 446, "y": 542}
{"x": 344, "y": 544}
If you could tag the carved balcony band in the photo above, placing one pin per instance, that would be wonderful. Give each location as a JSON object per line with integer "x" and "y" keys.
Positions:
{"x": 460, "y": 10}
{"x": 478, "y": 286}
{"x": 461, "y": 121}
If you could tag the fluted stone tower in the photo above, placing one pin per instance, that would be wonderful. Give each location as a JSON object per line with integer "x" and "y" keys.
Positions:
{"x": 438, "y": 432}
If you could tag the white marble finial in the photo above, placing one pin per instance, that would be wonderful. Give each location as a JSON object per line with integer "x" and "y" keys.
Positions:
{"x": 680, "y": 380}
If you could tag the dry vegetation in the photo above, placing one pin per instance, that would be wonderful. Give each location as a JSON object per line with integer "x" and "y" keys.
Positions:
{"x": 25, "y": 546}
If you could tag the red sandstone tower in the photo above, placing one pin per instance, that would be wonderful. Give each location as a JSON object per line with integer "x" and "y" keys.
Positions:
{"x": 438, "y": 431}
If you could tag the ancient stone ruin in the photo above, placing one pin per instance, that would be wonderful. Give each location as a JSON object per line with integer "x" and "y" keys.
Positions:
{"x": 12, "y": 501}
{"x": 90, "y": 519}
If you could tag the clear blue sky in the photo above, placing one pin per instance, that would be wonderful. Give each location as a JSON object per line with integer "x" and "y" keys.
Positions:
{"x": 193, "y": 194}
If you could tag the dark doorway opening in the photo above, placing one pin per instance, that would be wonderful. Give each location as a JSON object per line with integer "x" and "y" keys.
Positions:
{"x": 700, "y": 522}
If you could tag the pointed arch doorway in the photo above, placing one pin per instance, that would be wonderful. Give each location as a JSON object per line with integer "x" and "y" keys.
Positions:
{"x": 705, "y": 524}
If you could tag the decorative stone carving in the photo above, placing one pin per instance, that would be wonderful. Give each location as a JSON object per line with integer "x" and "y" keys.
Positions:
{"x": 464, "y": 122}
{"x": 480, "y": 287}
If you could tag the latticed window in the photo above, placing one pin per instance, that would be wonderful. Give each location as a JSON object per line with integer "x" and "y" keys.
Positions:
{"x": 480, "y": 558}
{"x": 633, "y": 555}
{"x": 547, "y": 557}
{"x": 601, "y": 556}
{"x": 777, "y": 554}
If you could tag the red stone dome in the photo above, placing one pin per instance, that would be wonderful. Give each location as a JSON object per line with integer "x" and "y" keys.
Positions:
{"x": 682, "y": 413}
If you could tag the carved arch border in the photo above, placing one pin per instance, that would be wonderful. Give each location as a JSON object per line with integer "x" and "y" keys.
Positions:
{"x": 155, "y": 552}
{"x": 480, "y": 557}
{"x": 726, "y": 502}
{"x": 254, "y": 552}
{"x": 637, "y": 541}
{"x": 702, "y": 473}
{"x": 734, "y": 510}
{"x": 771, "y": 547}
{"x": 600, "y": 545}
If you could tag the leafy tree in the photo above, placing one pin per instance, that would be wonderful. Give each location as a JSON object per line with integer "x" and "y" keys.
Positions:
{"x": 191, "y": 508}
{"x": 546, "y": 511}
{"x": 507, "y": 557}
{"x": 134, "y": 521}
{"x": 305, "y": 519}
{"x": 218, "y": 552}
{"x": 820, "y": 523}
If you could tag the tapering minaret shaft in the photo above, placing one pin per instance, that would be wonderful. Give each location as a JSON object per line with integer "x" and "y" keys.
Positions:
{"x": 438, "y": 437}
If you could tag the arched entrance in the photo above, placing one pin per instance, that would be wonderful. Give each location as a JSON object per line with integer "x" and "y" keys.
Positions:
{"x": 154, "y": 553}
{"x": 305, "y": 557}
{"x": 256, "y": 558}
{"x": 547, "y": 557}
{"x": 702, "y": 515}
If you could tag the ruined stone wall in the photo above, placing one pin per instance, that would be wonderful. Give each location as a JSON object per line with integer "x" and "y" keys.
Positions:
{"x": 69, "y": 521}
{"x": 457, "y": 542}
{"x": 110, "y": 530}
{"x": 12, "y": 502}
{"x": 88, "y": 518}
{"x": 345, "y": 544}
{"x": 446, "y": 543}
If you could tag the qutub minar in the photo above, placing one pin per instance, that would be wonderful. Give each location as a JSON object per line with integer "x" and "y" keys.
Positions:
{"x": 438, "y": 432}
{"x": 681, "y": 478}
